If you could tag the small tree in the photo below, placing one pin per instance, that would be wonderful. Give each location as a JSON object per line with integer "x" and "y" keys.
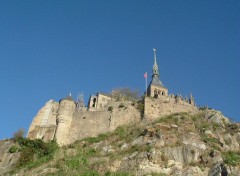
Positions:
{"x": 19, "y": 134}
{"x": 126, "y": 94}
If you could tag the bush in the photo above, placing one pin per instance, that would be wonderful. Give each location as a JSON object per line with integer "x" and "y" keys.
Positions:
{"x": 126, "y": 94}
{"x": 140, "y": 105}
{"x": 121, "y": 105}
{"x": 13, "y": 149}
{"x": 34, "y": 152}
{"x": 110, "y": 108}
{"x": 18, "y": 134}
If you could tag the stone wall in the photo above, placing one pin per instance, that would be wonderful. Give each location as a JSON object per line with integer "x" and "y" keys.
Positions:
{"x": 67, "y": 125}
{"x": 98, "y": 102}
{"x": 92, "y": 123}
{"x": 103, "y": 100}
{"x": 165, "y": 105}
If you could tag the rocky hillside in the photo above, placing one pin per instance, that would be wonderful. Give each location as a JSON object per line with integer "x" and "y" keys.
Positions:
{"x": 179, "y": 144}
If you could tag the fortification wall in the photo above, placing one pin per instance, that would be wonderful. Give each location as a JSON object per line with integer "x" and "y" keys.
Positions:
{"x": 165, "y": 105}
{"x": 68, "y": 125}
{"x": 64, "y": 119}
{"x": 92, "y": 123}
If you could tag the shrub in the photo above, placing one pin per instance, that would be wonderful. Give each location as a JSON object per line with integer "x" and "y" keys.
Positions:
{"x": 18, "y": 134}
{"x": 140, "y": 105}
{"x": 34, "y": 152}
{"x": 121, "y": 105}
{"x": 125, "y": 94}
{"x": 110, "y": 108}
{"x": 13, "y": 149}
{"x": 194, "y": 118}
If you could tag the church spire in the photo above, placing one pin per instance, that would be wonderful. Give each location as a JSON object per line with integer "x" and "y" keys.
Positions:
{"x": 155, "y": 73}
{"x": 155, "y": 66}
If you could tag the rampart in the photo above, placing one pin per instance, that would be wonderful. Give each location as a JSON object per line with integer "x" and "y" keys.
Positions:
{"x": 91, "y": 123}
{"x": 164, "y": 105}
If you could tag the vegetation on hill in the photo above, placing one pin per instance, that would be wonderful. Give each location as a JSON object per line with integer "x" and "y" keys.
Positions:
{"x": 32, "y": 152}
{"x": 178, "y": 143}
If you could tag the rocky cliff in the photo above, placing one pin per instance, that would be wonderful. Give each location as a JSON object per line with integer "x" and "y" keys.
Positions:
{"x": 183, "y": 144}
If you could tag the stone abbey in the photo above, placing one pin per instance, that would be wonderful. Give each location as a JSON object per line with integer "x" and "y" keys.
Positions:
{"x": 69, "y": 120}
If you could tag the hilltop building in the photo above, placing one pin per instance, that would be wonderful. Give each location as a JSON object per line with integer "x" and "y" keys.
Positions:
{"x": 158, "y": 103}
{"x": 68, "y": 121}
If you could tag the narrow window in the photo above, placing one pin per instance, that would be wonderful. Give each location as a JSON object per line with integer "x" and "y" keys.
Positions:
{"x": 94, "y": 102}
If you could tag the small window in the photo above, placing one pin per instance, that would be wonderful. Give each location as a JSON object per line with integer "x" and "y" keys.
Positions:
{"x": 94, "y": 102}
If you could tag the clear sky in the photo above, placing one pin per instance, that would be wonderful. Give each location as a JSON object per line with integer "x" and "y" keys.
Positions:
{"x": 51, "y": 48}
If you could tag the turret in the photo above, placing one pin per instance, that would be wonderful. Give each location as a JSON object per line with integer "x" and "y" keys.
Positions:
{"x": 66, "y": 110}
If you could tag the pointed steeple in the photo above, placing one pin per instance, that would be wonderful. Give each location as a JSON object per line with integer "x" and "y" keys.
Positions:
{"x": 155, "y": 66}
{"x": 155, "y": 75}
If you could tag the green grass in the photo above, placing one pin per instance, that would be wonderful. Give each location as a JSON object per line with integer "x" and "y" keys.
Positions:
{"x": 99, "y": 138}
{"x": 158, "y": 174}
{"x": 210, "y": 140}
{"x": 231, "y": 158}
{"x": 122, "y": 132}
{"x": 117, "y": 174}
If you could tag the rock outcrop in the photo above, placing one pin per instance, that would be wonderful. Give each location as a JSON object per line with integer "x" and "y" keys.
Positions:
{"x": 180, "y": 144}
{"x": 7, "y": 159}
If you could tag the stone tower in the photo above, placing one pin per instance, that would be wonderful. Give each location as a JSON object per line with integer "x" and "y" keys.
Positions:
{"x": 67, "y": 107}
{"x": 156, "y": 88}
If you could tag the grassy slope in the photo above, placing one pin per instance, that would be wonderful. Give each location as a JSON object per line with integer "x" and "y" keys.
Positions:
{"x": 90, "y": 156}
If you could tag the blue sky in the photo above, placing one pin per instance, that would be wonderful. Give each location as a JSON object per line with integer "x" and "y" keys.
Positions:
{"x": 51, "y": 48}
